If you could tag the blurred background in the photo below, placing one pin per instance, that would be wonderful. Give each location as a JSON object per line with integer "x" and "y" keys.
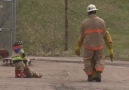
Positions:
{"x": 41, "y": 25}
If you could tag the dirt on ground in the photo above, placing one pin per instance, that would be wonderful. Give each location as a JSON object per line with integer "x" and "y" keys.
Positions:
{"x": 65, "y": 74}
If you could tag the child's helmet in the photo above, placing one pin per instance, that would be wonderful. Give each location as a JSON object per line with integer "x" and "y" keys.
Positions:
{"x": 18, "y": 43}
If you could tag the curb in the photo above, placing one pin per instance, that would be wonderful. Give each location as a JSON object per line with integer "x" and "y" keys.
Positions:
{"x": 79, "y": 60}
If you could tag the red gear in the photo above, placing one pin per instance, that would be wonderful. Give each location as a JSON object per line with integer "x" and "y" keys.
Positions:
{"x": 17, "y": 73}
{"x": 22, "y": 73}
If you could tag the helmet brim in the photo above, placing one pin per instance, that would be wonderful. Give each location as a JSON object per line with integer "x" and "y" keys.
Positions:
{"x": 92, "y": 10}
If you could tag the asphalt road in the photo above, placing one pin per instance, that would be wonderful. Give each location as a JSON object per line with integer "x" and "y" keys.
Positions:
{"x": 65, "y": 73}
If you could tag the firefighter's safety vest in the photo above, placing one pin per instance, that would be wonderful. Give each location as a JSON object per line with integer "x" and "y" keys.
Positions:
{"x": 18, "y": 56}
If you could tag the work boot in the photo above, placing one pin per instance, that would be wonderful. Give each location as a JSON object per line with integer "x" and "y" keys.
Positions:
{"x": 22, "y": 74}
{"x": 16, "y": 74}
{"x": 40, "y": 75}
{"x": 37, "y": 75}
{"x": 90, "y": 78}
{"x": 98, "y": 76}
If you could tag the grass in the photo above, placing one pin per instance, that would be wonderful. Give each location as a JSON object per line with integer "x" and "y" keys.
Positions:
{"x": 40, "y": 24}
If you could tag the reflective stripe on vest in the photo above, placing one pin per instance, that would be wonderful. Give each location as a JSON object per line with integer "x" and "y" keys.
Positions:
{"x": 17, "y": 58}
{"x": 92, "y": 31}
{"x": 93, "y": 48}
{"x": 99, "y": 69}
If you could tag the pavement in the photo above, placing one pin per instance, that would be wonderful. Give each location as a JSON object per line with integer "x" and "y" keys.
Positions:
{"x": 65, "y": 73}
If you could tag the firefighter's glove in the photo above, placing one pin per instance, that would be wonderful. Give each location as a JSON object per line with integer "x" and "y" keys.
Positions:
{"x": 111, "y": 54}
{"x": 77, "y": 50}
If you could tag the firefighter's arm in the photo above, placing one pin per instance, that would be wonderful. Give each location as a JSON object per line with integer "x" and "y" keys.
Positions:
{"x": 79, "y": 44}
{"x": 108, "y": 42}
{"x": 80, "y": 39}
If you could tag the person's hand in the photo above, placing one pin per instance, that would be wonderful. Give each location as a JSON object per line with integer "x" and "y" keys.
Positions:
{"x": 77, "y": 50}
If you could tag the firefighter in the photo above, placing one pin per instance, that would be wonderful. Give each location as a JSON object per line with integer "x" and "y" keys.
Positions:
{"x": 17, "y": 58}
{"x": 93, "y": 36}
{"x": 20, "y": 61}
